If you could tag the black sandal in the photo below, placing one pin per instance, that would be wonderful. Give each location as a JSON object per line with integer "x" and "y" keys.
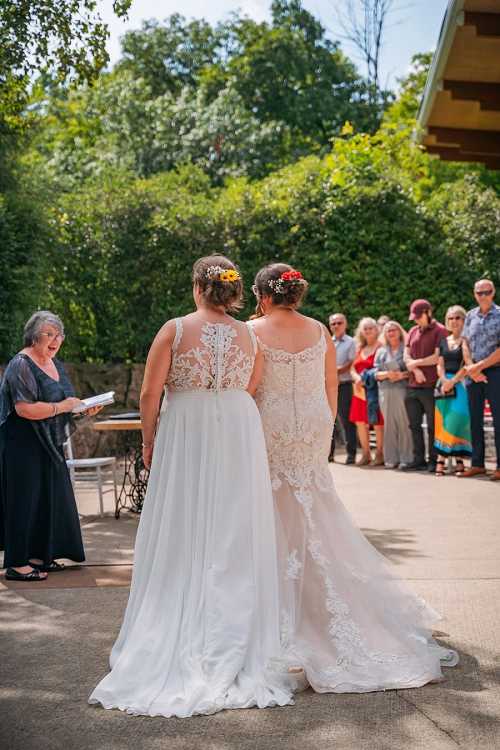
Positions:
{"x": 33, "y": 575}
{"x": 459, "y": 469}
{"x": 439, "y": 472}
{"x": 52, "y": 568}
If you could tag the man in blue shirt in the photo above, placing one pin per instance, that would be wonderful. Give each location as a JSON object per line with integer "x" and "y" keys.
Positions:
{"x": 481, "y": 349}
{"x": 346, "y": 351}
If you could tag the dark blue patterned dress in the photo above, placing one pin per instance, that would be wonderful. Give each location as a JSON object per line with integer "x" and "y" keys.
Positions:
{"x": 38, "y": 515}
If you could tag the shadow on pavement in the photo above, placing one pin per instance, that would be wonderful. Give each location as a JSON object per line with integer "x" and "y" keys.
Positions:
{"x": 395, "y": 544}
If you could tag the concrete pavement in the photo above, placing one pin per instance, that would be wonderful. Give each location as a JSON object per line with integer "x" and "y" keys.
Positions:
{"x": 443, "y": 534}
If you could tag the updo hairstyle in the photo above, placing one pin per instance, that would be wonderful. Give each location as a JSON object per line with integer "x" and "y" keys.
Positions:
{"x": 294, "y": 290}
{"x": 216, "y": 293}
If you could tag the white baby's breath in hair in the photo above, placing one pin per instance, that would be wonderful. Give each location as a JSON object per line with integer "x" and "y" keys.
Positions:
{"x": 277, "y": 285}
{"x": 214, "y": 271}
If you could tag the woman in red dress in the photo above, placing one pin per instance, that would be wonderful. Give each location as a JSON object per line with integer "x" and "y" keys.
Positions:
{"x": 367, "y": 342}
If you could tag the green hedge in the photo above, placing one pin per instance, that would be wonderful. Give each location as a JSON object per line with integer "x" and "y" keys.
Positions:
{"x": 354, "y": 224}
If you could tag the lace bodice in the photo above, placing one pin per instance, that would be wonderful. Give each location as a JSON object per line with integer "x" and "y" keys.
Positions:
{"x": 296, "y": 417}
{"x": 211, "y": 357}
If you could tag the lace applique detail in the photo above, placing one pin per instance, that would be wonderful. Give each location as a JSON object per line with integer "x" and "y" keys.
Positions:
{"x": 321, "y": 560}
{"x": 292, "y": 565}
{"x": 216, "y": 364}
{"x": 355, "y": 573}
{"x": 296, "y": 416}
{"x": 286, "y": 630}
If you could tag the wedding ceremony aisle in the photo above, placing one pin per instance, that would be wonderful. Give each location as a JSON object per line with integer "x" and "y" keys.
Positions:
{"x": 443, "y": 534}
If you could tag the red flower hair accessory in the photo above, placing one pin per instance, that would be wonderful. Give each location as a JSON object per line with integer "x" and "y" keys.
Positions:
{"x": 278, "y": 285}
{"x": 291, "y": 275}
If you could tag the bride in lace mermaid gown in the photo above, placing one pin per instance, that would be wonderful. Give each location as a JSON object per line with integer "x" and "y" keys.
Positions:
{"x": 352, "y": 620}
{"x": 201, "y": 629}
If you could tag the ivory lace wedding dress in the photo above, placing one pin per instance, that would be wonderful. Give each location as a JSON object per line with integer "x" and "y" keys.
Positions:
{"x": 201, "y": 629}
{"x": 352, "y": 620}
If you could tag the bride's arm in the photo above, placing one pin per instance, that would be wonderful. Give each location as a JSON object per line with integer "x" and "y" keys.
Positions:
{"x": 155, "y": 377}
{"x": 331, "y": 375}
{"x": 258, "y": 369}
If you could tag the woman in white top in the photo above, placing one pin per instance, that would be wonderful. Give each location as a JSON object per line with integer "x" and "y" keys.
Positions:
{"x": 353, "y": 622}
{"x": 201, "y": 630}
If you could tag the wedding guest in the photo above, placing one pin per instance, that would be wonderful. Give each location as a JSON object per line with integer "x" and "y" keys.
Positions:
{"x": 481, "y": 348}
{"x": 38, "y": 519}
{"x": 452, "y": 434}
{"x": 382, "y": 321}
{"x": 366, "y": 337}
{"x": 392, "y": 376}
{"x": 421, "y": 357}
{"x": 346, "y": 351}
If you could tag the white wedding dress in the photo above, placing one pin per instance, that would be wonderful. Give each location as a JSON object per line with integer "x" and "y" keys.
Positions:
{"x": 201, "y": 629}
{"x": 352, "y": 620}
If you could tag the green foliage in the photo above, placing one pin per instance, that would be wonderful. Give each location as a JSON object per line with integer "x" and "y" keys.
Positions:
{"x": 61, "y": 35}
{"x": 352, "y": 222}
{"x": 243, "y": 98}
{"x": 230, "y": 139}
{"x": 23, "y": 235}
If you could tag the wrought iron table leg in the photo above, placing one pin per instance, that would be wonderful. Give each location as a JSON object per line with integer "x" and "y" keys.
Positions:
{"x": 137, "y": 475}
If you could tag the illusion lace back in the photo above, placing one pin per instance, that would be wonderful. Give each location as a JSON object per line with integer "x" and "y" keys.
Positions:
{"x": 211, "y": 356}
{"x": 201, "y": 631}
{"x": 353, "y": 622}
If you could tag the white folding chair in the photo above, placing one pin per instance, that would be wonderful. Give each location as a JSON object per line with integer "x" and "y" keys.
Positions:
{"x": 92, "y": 473}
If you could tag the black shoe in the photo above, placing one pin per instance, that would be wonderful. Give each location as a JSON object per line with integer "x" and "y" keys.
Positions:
{"x": 330, "y": 458}
{"x": 431, "y": 467}
{"x": 350, "y": 460}
{"x": 416, "y": 466}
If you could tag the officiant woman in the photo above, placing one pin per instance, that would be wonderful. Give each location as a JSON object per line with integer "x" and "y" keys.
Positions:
{"x": 38, "y": 516}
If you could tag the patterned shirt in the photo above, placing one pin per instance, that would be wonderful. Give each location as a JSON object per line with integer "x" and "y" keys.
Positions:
{"x": 346, "y": 350}
{"x": 482, "y": 332}
{"x": 23, "y": 380}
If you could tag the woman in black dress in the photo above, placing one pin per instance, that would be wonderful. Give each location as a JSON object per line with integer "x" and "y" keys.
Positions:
{"x": 38, "y": 515}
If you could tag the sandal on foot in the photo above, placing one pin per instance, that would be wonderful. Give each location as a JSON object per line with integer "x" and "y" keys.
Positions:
{"x": 459, "y": 467}
{"x": 52, "y": 568}
{"x": 33, "y": 575}
{"x": 439, "y": 469}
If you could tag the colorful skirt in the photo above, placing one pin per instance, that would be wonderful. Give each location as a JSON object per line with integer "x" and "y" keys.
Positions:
{"x": 452, "y": 436}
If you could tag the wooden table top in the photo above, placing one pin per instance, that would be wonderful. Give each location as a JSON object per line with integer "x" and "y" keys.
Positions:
{"x": 118, "y": 424}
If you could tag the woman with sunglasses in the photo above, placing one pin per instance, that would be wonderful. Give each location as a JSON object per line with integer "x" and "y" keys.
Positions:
{"x": 452, "y": 435}
{"x": 38, "y": 516}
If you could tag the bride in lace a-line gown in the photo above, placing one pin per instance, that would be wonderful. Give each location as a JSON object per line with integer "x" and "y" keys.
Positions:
{"x": 350, "y": 617}
{"x": 201, "y": 629}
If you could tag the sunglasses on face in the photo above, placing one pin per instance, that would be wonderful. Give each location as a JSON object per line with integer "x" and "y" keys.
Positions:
{"x": 487, "y": 293}
{"x": 455, "y": 317}
{"x": 338, "y": 323}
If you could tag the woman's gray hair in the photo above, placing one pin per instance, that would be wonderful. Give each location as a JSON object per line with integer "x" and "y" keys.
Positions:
{"x": 33, "y": 328}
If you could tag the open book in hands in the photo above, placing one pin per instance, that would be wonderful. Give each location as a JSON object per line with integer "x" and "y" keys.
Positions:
{"x": 102, "y": 400}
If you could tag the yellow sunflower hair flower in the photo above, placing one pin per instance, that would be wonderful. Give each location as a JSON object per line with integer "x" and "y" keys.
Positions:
{"x": 229, "y": 276}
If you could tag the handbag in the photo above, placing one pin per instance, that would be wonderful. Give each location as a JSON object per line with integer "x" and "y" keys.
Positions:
{"x": 452, "y": 393}
{"x": 449, "y": 394}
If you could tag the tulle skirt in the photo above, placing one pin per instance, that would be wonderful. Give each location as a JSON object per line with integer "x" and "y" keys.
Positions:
{"x": 201, "y": 629}
{"x": 352, "y": 620}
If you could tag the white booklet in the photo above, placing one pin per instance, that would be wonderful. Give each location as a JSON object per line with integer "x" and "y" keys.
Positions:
{"x": 102, "y": 400}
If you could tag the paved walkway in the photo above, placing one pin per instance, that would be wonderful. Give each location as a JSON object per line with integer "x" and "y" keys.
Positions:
{"x": 442, "y": 533}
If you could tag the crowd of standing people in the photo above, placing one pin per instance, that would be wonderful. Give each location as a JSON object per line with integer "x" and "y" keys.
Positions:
{"x": 390, "y": 379}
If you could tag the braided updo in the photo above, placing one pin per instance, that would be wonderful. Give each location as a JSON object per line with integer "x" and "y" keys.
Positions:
{"x": 293, "y": 291}
{"x": 217, "y": 293}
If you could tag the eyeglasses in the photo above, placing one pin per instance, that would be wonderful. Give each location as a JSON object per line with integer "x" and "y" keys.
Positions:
{"x": 338, "y": 323}
{"x": 455, "y": 317}
{"x": 487, "y": 293}
{"x": 54, "y": 336}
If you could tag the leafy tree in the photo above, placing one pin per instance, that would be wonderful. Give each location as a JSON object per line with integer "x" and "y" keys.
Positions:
{"x": 168, "y": 58}
{"x": 62, "y": 35}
